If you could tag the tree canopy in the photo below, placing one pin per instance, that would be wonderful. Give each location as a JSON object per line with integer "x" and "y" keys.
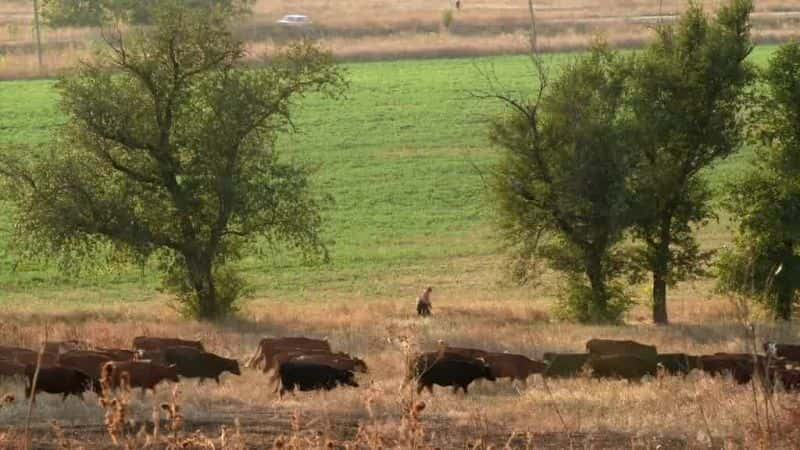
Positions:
{"x": 764, "y": 263}
{"x": 169, "y": 153}
{"x": 685, "y": 91}
{"x": 562, "y": 182}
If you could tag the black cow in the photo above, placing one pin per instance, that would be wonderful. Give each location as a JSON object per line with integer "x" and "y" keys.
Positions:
{"x": 193, "y": 363}
{"x": 309, "y": 376}
{"x": 456, "y": 372}
{"x": 678, "y": 363}
{"x": 60, "y": 380}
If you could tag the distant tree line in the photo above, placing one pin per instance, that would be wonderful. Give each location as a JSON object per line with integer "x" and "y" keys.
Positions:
{"x": 602, "y": 173}
{"x": 94, "y": 13}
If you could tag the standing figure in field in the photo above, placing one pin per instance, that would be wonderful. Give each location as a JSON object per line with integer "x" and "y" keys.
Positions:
{"x": 458, "y": 4}
{"x": 424, "y": 302}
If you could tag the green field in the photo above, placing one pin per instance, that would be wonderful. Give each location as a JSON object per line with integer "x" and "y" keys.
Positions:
{"x": 402, "y": 156}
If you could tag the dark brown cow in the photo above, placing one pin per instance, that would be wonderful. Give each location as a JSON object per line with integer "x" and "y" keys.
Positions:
{"x": 88, "y": 362}
{"x": 11, "y": 369}
{"x": 148, "y": 343}
{"x": 739, "y": 365}
{"x": 622, "y": 347}
{"x": 471, "y": 352}
{"x": 515, "y": 367}
{"x": 562, "y": 365}
{"x": 144, "y": 375}
{"x": 60, "y": 380}
{"x": 678, "y": 363}
{"x": 118, "y": 354}
{"x": 629, "y": 367}
{"x": 787, "y": 351}
{"x": 788, "y": 378}
{"x": 269, "y": 347}
{"x": 192, "y": 363}
{"x": 25, "y": 356}
{"x": 58, "y": 347}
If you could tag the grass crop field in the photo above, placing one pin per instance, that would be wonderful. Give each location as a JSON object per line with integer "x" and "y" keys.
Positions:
{"x": 403, "y": 156}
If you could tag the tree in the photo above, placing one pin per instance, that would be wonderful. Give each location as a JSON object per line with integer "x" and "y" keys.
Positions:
{"x": 94, "y": 13}
{"x": 561, "y": 185}
{"x": 764, "y": 263}
{"x": 169, "y": 152}
{"x": 685, "y": 91}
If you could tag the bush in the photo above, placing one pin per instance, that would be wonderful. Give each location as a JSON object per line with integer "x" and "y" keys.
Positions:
{"x": 447, "y": 19}
{"x": 576, "y": 304}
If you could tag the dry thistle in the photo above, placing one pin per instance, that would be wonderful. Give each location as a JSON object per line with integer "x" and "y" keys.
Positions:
{"x": 7, "y": 400}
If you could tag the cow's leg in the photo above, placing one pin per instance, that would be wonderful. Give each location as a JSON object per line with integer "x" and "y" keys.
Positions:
{"x": 420, "y": 387}
{"x": 216, "y": 378}
{"x": 64, "y": 397}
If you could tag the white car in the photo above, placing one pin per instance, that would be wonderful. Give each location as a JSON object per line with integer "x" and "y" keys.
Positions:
{"x": 295, "y": 19}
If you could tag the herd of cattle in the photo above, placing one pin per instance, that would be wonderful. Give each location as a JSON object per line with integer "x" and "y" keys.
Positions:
{"x": 72, "y": 367}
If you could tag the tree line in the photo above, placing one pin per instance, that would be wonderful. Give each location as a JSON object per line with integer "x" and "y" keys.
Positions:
{"x": 602, "y": 168}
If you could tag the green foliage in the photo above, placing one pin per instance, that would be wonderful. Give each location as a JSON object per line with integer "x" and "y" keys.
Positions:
{"x": 686, "y": 93}
{"x": 406, "y": 133}
{"x": 561, "y": 185}
{"x": 93, "y": 13}
{"x": 169, "y": 152}
{"x": 764, "y": 263}
{"x": 447, "y": 18}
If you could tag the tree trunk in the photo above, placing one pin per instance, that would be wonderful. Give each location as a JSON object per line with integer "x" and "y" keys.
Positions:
{"x": 201, "y": 277}
{"x": 598, "y": 308}
{"x": 660, "y": 269}
{"x": 784, "y": 284}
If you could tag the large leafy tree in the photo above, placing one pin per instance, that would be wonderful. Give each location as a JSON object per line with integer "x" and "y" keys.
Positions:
{"x": 561, "y": 184}
{"x": 764, "y": 263}
{"x": 686, "y": 90}
{"x": 169, "y": 152}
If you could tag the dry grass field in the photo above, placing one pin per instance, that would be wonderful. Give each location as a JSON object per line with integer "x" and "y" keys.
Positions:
{"x": 378, "y": 29}
{"x": 663, "y": 412}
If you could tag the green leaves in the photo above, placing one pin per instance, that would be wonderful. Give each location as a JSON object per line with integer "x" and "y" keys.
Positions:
{"x": 766, "y": 201}
{"x": 169, "y": 151}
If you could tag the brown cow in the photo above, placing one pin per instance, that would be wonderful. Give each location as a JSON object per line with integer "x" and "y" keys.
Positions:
{"x": 144, "y": 375}
{"x": 739, "y": 365}
{"x": 515, "y": 367}
{"x": 269, "y": 347}
{"x": 58, "y": 347}
{"x": 787, "y": 351}
{"x": 562, "y": 365}
{"x": 471, "y": 352}
{"x": 11, "y": 369}
{"x": 118, "y": 354}
{"x": 25, "y": 356}
{"x": 192, "y": 363}
{"x": 629, "y": 367}
{"x": 148, "y": 343}
{"x": 619, "y": 347}
{"x": 788, "y": 378}
{"x": 89, "y": 362}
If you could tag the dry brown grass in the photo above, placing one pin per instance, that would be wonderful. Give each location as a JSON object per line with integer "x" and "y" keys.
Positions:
{"x": 694, "y": 409}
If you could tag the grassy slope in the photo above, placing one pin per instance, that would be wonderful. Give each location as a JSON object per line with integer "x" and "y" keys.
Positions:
{"x": 401, "y": 156}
